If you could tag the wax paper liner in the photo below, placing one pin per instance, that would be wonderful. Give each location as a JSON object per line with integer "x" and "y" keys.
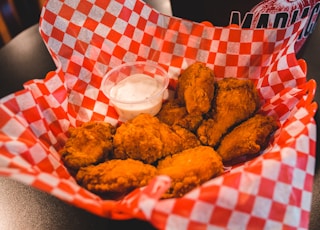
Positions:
{"x": 87, "y": 38}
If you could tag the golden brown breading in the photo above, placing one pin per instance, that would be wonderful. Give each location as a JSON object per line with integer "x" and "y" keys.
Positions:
{"x": 189, "y": 169}
{"x": 189, "y": 139}
{"x": 190, "y": 122}
{"x": 195, "y": 88}
{"x": 147, "y": 139}
{"x": 115, "y": 176}
{"x": 250, "y": 137}
{"x": 88, "y": 144}
{"x": 235, "y": 101}
{"x": 172, "y": 113}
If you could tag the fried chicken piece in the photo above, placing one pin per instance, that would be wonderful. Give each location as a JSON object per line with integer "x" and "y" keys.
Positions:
{"x": 189, "y": 169}
{"x": 189, "y": 139}
{"x": 195, "y": 88}
{"x": 172, "y": 113}
{"x": 90, "y": 143}
{"x": 147, "y": 139}
{"x": 115, "y": 176}
{"x": 190, "y": 122}
{"x": 248, "y": 138}
{"x": 235, "y": 101}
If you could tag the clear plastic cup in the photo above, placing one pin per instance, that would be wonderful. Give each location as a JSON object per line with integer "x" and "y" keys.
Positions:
{"x": 136, "y": 87}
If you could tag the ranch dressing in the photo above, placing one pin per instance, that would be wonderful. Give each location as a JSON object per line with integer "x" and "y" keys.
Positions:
{"x": 139, "y": 93}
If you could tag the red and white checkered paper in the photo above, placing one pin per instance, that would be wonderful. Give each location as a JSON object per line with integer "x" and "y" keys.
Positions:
{"x": 87, "y": 38}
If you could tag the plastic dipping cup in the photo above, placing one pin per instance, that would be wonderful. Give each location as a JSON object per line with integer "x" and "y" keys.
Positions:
{"x": 135, "y": 88}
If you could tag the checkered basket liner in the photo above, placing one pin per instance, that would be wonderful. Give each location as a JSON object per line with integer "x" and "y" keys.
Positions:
{"x": 88, "y": 38}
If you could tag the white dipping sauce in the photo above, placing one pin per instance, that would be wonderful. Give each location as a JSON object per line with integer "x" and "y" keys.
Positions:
{"x": 137, "y": 87}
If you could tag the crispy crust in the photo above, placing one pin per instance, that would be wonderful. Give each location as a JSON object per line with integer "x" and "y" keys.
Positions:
{"x": 235, "y": 101}
{"x": 88, "y": 144}
{"x": 248, "y": 138}
{"x": 195, "y": 88}
{"x": 189, "y": 169}
{"x": 115, "y": 176}
{"x": 147, "y": 139}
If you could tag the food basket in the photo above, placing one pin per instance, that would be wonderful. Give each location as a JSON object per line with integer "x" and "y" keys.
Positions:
{"x": 88, "y": 38}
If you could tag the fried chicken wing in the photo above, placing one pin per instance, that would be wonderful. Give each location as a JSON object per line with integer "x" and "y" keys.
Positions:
{"x": 188, "y": 139}
{"x": 195, "y": 88}
{"x": 235, "y": 101}
{"x": 88, "y": 144}
{"x": 115, "y": 177}
{"x": 189, "y": 169}
{"x": 250, "y": 137}
{"x": 147, "y": 139}
{"x": 190, "y": 122}
{"x": 172, "y": 113}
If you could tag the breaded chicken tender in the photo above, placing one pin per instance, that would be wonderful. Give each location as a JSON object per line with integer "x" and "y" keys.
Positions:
{"x": 88, "y": 144}
{"x": 235, "y": 101}
{"x": 248, "y": 138}
{"x": 173, "y": 113}
{"x": 115, "y": 176}
{"x": 147, "y": 139}
{"x": 189, "y": 169}
{"x": 195, "y": 88}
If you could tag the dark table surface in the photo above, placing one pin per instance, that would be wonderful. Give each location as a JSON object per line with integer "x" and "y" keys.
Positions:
{"x": 23, "y": 207}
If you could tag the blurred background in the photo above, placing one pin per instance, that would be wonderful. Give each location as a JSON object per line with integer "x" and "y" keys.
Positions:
{"x": 17, "y": 15}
